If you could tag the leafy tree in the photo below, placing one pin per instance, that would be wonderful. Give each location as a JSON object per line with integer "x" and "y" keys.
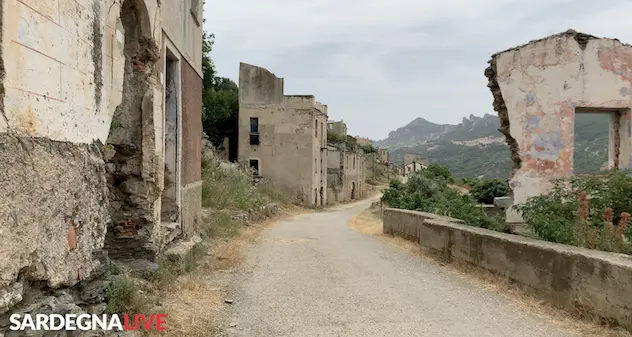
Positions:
{"x": 368, "y": 148}
{"x": 436, "y": 170}
{"x": 335, "y": 138}
{"x": 220, "y": 98}
{"x": 486, "y": 190}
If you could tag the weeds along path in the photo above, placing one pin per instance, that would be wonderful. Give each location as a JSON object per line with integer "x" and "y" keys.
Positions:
{"x": 314, "y": 275}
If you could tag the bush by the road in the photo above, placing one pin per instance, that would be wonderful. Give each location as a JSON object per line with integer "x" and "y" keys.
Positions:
{"x": 486, "y": 190}
{"x": 586, "y": 211}
{"x": 428, "y": 191}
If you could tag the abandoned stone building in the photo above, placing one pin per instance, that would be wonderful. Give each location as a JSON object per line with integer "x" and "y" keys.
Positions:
{"x": 540, "y": 87}
{"x": 413, "y": 162}
{"x": 282, "y": 137}
{"x": 363, "y": 141}
{"x": 100, "y": 135}
{"x": 382, "y": 156}
{"x": 345, "y": 174}
{"x": 413, "y": 167}
{"x": 337, "y": 127}
{"x": 345, "y": 168}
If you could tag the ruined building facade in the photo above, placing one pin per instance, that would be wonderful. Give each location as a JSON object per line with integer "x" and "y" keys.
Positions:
{"x": 538, "y": 90}
{"x": 345, "y": 168}
{"x": 337, "y": 127}
{"x": 100, "y": 133}
{"x": 282, "y": 138}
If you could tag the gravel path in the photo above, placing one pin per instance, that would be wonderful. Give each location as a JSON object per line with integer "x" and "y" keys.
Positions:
{"x": 315, "y": 276}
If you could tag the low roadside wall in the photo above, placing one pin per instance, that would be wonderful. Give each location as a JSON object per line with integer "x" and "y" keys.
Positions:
{"x": 574, "y": 278}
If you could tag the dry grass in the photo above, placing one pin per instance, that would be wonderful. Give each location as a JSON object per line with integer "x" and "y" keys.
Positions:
{"x": 369, "y": 222}
{"x": 462, "y": 190}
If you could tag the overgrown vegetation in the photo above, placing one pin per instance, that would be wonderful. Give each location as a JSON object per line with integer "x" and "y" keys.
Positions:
{"x": 124, "y": 296}
{"x": 368, "y": 148}
{"x": 229, "y": 191}
{"x": 485, "y": 190}
{"x": 234, "y": 189}
{"x": 586, "y": 211}
{"x": 169, "y": 270}
{"x": 335, "y": 138}
{"x": 428, "y": 191}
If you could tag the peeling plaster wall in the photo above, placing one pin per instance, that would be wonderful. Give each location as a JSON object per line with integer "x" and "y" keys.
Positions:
{"x": 537, "y": 88}
{"x": 290, "y": 150}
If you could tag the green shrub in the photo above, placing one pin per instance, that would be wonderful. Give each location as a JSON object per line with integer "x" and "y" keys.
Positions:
{"x": 555, "y": 216}
{"x": 123, "y": 296}
{"x": 486, "y": 190}
{"x": 236, "y": 190}
{"x": 335, "y": 138}
{"x": 369, "y": 148}
{"x": 471, "y": 182}
{"x": 437, "y": 170}
{"x": 428, "y": 191}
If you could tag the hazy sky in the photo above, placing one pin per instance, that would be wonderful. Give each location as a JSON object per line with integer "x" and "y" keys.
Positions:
{"x": 378, "y": 64}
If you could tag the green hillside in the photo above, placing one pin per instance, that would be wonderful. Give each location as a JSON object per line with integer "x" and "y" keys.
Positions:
{"x": 493, "y": 160}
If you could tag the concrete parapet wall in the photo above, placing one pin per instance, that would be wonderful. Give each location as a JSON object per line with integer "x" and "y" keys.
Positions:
{"x": 571, "y": 277}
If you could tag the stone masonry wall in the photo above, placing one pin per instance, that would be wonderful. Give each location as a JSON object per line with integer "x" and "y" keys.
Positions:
{"x": 577, "y": 279}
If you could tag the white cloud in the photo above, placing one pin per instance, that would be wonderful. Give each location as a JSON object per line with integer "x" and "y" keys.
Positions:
{"x": 380, "y": 64}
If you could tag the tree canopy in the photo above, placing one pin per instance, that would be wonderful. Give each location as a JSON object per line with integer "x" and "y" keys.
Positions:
{"x": 220, "y": 98}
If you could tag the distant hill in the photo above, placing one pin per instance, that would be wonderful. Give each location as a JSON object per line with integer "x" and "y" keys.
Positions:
{"x": 475, "y": 147}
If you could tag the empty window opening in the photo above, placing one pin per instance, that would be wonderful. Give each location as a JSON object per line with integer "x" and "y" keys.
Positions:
{"x": 322, "y": 196}
{"x": 596, "y": 141}
{"x": 322, "y": 133}
{"x": 316, "y": 129}
{"x": 254, "y": 166}
{"x": 169, "y": 210}
{"x": 254, "y": 125}
{"x": 254, "y": 131}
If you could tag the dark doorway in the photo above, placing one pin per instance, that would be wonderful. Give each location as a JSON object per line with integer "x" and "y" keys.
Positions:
{"x": 353, "y": 186}
{"x": 254, "y": 165}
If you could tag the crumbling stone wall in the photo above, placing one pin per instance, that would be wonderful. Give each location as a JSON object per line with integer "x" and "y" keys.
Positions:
{"x": 81, "y": 148}
{"x": 537, "y": 89}
{"x": 57, "y": 94}
{"x": 132, "y": 194}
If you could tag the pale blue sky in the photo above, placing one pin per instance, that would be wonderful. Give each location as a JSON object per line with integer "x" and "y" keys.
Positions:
{"x": 380, "y": 64}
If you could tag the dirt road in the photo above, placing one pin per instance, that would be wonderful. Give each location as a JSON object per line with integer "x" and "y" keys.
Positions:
{"x": 313, "y": 275}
